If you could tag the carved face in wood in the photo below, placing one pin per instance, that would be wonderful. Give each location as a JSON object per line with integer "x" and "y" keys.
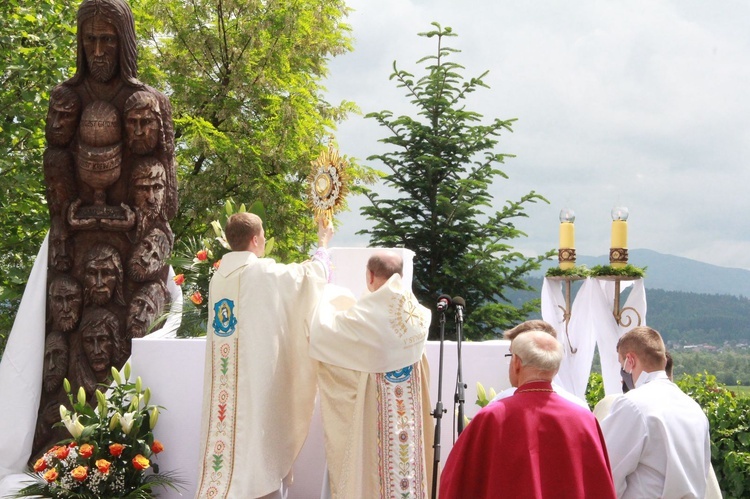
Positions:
{"x": 142, "y": 122}
{"x": 98, "y": 330}
{"x": 55, "y": 360}
{"x": 62, "y": 116}
{"x": 145, "y": 306}
{"x": 103, "y": 275}
{"x": 148, "y": 256}
{"x": 101, "y": 46}
{"x": 65, "y": 299}
{"x": 148, "y": 182}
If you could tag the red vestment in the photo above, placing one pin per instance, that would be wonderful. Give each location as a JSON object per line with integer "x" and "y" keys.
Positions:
{"x": 532, "y": 444}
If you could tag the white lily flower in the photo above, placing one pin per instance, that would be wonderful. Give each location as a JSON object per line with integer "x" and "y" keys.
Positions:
{"x": 74, "y": 427}
{"x": 126, "y": 422}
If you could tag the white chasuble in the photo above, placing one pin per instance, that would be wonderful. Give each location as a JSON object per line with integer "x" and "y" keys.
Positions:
{"x": 259, "y": 386}
{"x": 374, "y": 395}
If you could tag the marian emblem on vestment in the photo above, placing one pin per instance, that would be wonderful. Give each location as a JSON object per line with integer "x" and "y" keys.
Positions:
{"x": 225, "y": 321}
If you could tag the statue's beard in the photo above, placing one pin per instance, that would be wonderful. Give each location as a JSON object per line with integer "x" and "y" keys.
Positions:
{"x": 66, "y": 324}
{"x": 140, "y": 273}
{"x": 102, "y": 70}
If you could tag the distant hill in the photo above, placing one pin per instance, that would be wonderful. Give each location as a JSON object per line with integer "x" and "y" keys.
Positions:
{"x": 689, "y": 302}
{"x": 675, "y": 273}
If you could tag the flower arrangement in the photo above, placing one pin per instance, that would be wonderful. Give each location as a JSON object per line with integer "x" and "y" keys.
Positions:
{"x": 111, "y": 450}
{"x": 195, "y": 262}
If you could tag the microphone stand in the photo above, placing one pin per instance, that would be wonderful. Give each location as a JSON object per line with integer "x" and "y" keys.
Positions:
{"x": 460, "y": 396}
{"x": 438, "y": 412}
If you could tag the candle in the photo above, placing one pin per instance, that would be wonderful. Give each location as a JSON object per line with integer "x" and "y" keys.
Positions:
{"x": 566, "y": 253}
{"x": 619, "y": 240}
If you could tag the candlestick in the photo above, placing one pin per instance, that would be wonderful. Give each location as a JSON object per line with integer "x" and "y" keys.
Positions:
{"x": 566, "y": 254}
{"x": 618, "y": 251}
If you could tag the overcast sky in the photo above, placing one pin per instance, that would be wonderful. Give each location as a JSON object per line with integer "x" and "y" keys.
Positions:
{"x": 639, "y": 103}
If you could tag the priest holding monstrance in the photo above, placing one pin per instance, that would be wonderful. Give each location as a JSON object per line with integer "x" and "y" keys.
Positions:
{"x": 260, "y": 382}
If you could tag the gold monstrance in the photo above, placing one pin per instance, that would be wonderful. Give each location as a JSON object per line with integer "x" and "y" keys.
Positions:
{"x": 328, "y": 183}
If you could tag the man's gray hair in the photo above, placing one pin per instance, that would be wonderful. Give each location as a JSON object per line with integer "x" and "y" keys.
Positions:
{"x": 538, "y": 350}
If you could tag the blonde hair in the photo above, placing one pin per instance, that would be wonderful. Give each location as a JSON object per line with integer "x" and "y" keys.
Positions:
{"x": 647, "y": 345}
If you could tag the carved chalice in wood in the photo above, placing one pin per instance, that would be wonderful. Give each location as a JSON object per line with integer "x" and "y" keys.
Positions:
{"x": 99, "y": 148}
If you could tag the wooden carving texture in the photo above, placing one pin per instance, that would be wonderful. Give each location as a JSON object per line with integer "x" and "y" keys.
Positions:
{"x": 111, "y": 191}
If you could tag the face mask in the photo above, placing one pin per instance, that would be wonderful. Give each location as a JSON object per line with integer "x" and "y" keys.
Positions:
{"x": 627, "y": 379}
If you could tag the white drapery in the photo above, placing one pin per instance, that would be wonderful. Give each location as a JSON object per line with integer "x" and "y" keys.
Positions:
{"x": 591, "y": 324}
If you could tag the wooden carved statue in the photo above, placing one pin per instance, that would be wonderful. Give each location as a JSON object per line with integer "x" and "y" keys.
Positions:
{"x": 111, "y": 191}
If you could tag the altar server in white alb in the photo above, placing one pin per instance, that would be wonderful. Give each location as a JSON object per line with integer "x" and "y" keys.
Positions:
{"x": 373, "y": 385}
{"x": 657, "y": 436}
{"x": 259, "y": 386}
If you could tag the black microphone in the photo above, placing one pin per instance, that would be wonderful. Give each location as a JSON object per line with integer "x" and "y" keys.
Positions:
{"x": 444, "y": 301}
{"x": 460, "y": 305}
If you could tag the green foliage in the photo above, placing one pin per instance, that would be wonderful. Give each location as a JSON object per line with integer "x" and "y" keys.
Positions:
{"x": 628, "y": 270}
{"x": 730, "y": 366}
{"x": 594, "y": 389}
{"x": 442, "y": 164}
{"x": 729, "y": 418}
{"x": 245, "y": 81}
{"x": 577, "y": 271}
{"x": 37, "y": 50}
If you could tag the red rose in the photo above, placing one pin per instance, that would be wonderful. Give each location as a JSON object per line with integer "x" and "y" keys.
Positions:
{"x": 80, "y": 473}
{"x": 40, "y": 464}
{"x": 179, "y": 279}
{"x": 196, "y": 298}
{"x": 157, "y": 447}
{"x": 140, "y": 462}
{"x": 103, "y": 466}
{"x": 116, "y": 449}
{"x": 202, "y": 255}
{"x": 86, "y": 450}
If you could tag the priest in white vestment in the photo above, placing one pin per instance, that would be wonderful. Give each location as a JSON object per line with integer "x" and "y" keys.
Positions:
{"x": 373, "y": 384}
{"x": 259, "y": 388}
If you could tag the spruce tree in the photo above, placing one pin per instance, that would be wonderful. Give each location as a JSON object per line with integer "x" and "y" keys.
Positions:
{"x": 442, "y": 163}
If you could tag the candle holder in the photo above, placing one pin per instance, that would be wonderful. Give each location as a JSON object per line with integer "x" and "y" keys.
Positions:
{"x": 623, "y": 316}
{"x": 566, "y": 310}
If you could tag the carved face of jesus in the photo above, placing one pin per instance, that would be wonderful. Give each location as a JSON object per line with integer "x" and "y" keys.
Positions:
{"x": 101, "y": 46}
{"x": 65, "y": 304}
{"x": 141, "y": 130}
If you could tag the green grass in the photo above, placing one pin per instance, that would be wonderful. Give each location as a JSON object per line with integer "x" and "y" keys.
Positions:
{"x": 741, "y": 390}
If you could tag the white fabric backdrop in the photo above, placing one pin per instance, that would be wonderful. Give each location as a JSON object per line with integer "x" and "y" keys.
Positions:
{"x": 591, "y": 324}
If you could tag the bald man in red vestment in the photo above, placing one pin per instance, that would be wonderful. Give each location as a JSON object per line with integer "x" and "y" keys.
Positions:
{"x": 532, "y": 444}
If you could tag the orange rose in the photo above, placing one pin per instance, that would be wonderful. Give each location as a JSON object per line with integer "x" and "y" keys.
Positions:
{"x": 216, "y": 264}
{"x": 51, "y": 475}
{"x": 40, "y": 464}
{"x": 196, "y": 298}
{"x": 86, "y": 450}
{"x": 140, "y": 462}
{"x": 62, "y": 452}
{"x": 116, "y": 449}
{"x": 202, "y": 255}
{"x": 179, "y": 279}
{"x": 80, "y": 473}
{"x": 103, "y": 466}
{"x": 157, "y": 447}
